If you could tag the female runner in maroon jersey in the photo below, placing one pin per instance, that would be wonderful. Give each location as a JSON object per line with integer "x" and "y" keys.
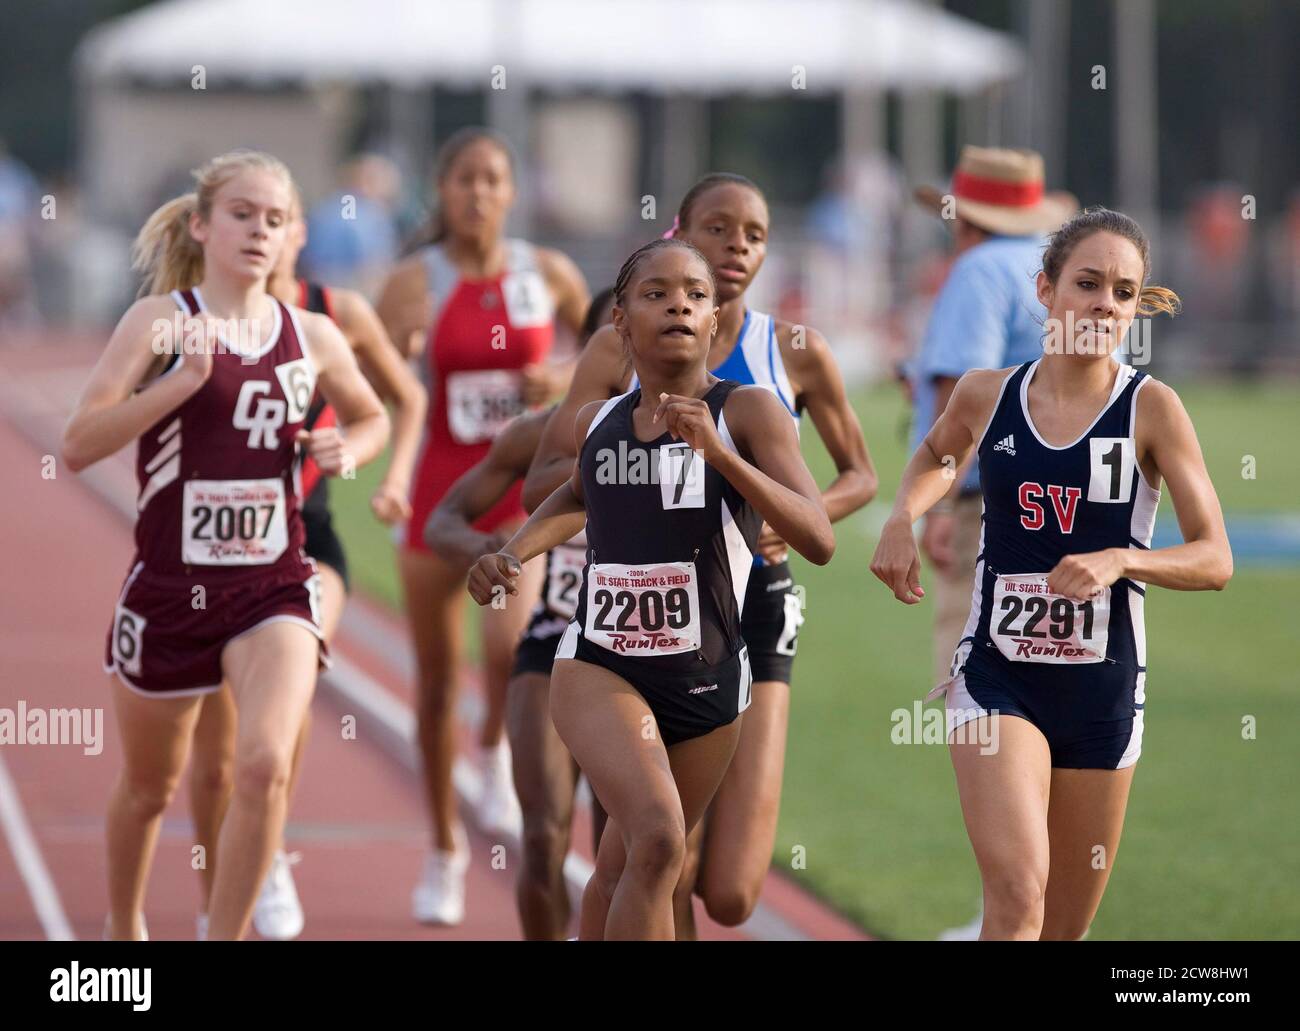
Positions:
{"x": 220, "y": 588}
{"x": 278, "y": 913}
{"x": 480, "y": 310}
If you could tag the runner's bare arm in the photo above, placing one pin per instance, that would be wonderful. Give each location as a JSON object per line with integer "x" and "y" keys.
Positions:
{"x": 545, "y": 381}
{"x": 449, "y": 530}
{"x": 601, "y": 372}
{"x": 817, "y": 378}
{"x": 568, "y": 287}
{"x": 1166, "y": 437}
{"x": 395, "y": 383}
{"x": 557, "y": 519}
{"x": 110, "y": 414}
{"x": 363, "y": 422}
{"x": 928, "y": 477}
{"x": 769, "y": 473}
{"x": 403, "y": 306}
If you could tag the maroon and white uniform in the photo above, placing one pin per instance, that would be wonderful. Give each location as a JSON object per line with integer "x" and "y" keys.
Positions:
{"x": 219, "y": 538}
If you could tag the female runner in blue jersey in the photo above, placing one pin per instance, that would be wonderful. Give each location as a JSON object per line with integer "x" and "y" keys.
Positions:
{"x": 1048, "y": 684}
{"x": 653, "y": 674}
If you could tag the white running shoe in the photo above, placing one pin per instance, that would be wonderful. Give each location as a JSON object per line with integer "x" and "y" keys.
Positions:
{"x": 201, "y": 927}
{"x": 278, "y": 913}
{"x": 498, "y": 807}
{"x": 439, "y": 897}
{"x": 966, "y": 932}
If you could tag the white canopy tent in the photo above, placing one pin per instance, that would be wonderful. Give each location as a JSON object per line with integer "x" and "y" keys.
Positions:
{"x": 703, "y": 46}
{"x": 286, "y": 72}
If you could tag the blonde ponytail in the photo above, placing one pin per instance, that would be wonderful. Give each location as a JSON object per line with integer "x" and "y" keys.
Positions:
{"x": 165, "y": 253}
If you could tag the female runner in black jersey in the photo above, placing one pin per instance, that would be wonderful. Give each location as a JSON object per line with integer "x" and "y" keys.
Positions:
{"x": 672, "y": 484}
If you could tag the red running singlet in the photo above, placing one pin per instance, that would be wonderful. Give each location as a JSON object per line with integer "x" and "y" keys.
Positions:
{"x": 482, "y": 335}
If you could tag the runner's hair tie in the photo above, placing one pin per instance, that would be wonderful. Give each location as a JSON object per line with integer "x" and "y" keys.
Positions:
{"x": 672, "y": 229}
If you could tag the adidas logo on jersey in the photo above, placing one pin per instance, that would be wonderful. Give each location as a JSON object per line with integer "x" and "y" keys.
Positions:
{"x": 1007, "y": 444}
{"x": 703, "y": 688}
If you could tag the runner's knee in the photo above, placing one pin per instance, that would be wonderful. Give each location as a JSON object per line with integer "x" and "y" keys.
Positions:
{"x": 148, "y": 797}
{"x": 658, "y": 846}
{"x": 1014, "y": 898}
{"x": 213, "y": 777}
{"x": 262, "y": 772}
{"x": 546, "y": 843}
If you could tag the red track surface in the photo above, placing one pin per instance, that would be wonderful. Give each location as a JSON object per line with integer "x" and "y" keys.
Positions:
{"x": 358, "y": 814}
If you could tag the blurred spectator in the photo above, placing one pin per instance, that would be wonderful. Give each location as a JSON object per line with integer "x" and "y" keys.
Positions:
{"x": 19, "y": 213}
{"x": 1284, "y": 271}
{"x": 1215, "y": 265}
{"x": 352, "y": 235}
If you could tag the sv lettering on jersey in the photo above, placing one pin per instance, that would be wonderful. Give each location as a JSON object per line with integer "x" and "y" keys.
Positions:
{"x": 265, "y": 420}
{"x": 1065, "y": 503}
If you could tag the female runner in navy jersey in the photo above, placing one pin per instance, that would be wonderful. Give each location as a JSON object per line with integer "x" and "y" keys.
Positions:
{"x": 725, "y": 216}
{"x": 220, "y": 589}
{"x": 278, "y": 913}
{"x": 673, "y": 482}
{"x": 1072, "y": 449}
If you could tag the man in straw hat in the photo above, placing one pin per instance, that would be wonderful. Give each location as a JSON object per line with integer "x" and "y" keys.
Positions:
{"x": 987, "y": 316}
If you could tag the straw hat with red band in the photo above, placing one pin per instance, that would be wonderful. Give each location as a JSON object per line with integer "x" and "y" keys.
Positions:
{"x": 1001, "y": 191}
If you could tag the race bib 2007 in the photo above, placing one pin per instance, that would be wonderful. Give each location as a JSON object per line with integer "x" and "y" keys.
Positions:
{"x": 1031, "y": 624}
{"x": 643, "y": 610}
{"x": 233, "y": 522}
{"x": 479, "y": 404}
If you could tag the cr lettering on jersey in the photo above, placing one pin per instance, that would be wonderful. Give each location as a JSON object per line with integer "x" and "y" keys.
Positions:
{"x": 261, "y": 421}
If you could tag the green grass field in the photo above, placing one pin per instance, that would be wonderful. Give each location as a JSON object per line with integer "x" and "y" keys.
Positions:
{"x": 1212, "y": 835}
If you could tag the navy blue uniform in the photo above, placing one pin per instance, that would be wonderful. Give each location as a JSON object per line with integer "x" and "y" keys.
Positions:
{"x": 669, "y": 551}
{"x": 1076, "y": 670}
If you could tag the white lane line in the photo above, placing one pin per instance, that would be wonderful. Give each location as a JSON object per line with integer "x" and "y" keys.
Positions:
{"x": 30, "y": 862}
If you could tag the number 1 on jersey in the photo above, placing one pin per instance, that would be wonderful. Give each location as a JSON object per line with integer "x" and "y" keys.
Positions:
{"x": 1111, "y": 481}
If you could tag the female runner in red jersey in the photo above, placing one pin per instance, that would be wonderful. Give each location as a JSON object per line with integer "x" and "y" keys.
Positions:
{"x": 480, "y": 310}
{"x": 220, "y": 589}
{"x": 278, "y": 913}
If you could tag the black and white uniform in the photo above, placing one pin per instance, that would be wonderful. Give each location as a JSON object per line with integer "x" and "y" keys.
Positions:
{"x": 1076, "y": 670}
{"x": 554, "y": 610}
{"x": 323, "y": 542}
{"x": 670, "y": 547}
{"x": 774, "y": 605}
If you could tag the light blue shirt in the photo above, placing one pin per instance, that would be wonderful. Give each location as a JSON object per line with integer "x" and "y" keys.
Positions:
{"x": 987, "y": 316}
